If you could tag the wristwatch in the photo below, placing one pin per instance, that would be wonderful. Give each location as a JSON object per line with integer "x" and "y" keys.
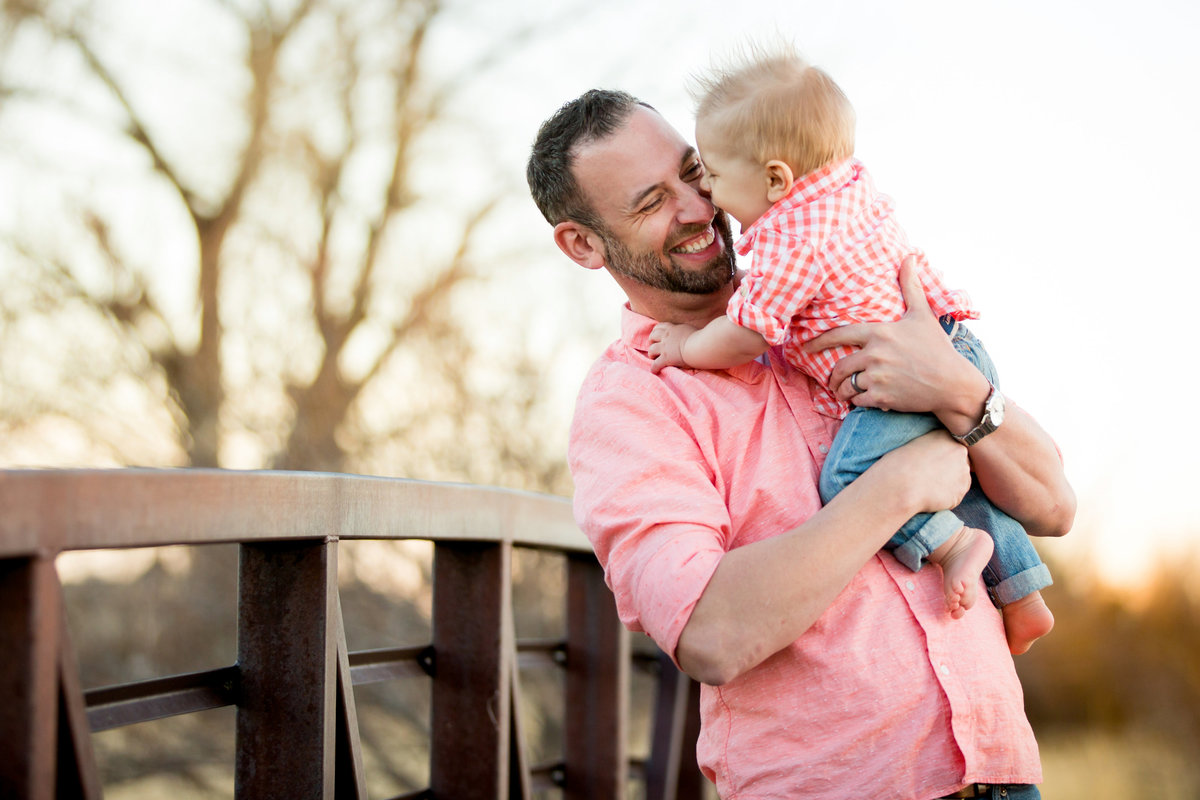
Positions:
{"x": 993, "y": 415}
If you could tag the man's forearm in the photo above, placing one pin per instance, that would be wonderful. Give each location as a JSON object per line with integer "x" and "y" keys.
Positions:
{"x": 764, "y": 596}
{"x": 1020, "y": 470}
{"x": 1018, "y": 465}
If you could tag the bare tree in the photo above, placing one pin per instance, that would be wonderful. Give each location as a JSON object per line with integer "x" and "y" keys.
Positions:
{"x": 298, "y": 150}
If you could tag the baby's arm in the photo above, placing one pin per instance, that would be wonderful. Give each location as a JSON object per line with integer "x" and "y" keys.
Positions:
{"x": 718, "y": 345}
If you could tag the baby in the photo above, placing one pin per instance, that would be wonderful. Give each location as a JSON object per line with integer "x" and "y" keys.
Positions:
{"x": 776, "y": 136}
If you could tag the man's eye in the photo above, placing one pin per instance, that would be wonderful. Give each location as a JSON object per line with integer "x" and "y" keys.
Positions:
{"x": 653, "y": 204}
{"x": 694, "y": 171}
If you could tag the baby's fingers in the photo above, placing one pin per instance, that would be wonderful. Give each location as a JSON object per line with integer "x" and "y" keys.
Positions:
{"x": 661, "y": 331}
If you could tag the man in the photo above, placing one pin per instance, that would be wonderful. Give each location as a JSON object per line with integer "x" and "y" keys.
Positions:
{"x": 830, "y": 671}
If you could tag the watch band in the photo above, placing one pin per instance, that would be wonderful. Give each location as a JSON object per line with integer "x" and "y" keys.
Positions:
{"x": 976, "y": 433}
{"x": 993, "y": 415}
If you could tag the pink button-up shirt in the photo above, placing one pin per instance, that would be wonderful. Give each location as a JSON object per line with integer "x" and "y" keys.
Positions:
{"x": 829, "y": 255}
{"x": 885, "y": 694}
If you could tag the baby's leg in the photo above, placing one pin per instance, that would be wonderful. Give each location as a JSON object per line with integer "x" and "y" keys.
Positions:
{"x": 1015, "y": 573}
{"x": 1025, "y": 621}
{"x": 962, "y": 558}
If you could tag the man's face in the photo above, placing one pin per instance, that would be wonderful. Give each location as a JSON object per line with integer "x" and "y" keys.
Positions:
{"x": 659, "y": 228}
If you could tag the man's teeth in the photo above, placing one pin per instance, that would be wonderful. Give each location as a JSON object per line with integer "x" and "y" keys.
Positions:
{"x": 697, "y": 245}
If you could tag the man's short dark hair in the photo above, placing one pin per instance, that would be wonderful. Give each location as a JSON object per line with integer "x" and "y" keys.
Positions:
{"x": 591, "y": 116}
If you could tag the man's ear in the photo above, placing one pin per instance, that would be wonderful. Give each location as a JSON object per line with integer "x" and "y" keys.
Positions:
{"x": 580, "y": 243}
{"x": 779, "y": 180}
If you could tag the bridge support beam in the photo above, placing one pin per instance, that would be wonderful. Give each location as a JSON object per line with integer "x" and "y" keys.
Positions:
{"x": 287, "y": 660}
{"x": 473, "y": 643}
{"x": 597, "y": 763}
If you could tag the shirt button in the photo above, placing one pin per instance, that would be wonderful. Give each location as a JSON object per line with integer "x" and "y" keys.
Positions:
{"x": 910, "y": 585}
{"x": 824, "y": 448}
{"x": 945, "y": 670}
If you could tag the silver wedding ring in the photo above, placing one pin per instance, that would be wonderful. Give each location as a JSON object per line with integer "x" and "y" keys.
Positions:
{"x": 854, "y": 383}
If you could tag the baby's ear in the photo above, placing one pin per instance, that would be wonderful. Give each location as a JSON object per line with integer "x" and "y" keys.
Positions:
{"x": 581, "y": 244}
{"x": 779, "y": 180}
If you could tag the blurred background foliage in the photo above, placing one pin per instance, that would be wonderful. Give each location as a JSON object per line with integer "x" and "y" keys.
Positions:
{"x": 1114, "y": 692}
{"x": 276, "y": 235}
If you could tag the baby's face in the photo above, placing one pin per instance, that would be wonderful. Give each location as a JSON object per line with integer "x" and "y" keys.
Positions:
{"x": 736, "y": 183}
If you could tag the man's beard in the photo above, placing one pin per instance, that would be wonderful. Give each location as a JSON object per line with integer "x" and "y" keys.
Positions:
{"x": 657, "y": 272}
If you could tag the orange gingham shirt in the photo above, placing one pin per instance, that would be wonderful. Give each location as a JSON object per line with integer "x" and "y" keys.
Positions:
{"x": 829, "y": 255}
{"x": 885, "y": 695}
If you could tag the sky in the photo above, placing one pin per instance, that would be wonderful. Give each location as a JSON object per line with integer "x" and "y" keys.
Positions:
{"x": 1044, "y": 155}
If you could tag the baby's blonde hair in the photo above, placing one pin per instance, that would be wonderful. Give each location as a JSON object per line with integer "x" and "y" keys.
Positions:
{"x": 772, "y": 104}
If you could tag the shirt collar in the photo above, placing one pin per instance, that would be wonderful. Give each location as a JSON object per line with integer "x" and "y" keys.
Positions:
{"x": 807, "y": 189}
{"x": 635, "y": 328}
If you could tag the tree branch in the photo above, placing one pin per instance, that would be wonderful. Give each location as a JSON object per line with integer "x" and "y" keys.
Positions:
{"x": 329, "y": 177}
{"x": 409, "y": 123}
{"x": 136, "y": 129}
{"x": 434, "y": 293}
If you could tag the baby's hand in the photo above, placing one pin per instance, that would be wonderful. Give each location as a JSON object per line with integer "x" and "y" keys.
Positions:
{"x": 666, "y": 345}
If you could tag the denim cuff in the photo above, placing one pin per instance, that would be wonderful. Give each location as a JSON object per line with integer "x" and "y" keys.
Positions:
{"x": 935, "y": 532}
{"x": 1024, "y": 583}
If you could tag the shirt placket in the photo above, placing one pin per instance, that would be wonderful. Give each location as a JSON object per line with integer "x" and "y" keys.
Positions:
{"x": 947, "y": 661}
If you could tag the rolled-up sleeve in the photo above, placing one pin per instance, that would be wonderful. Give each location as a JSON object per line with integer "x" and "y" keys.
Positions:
{"x": 646, "y": 500}
{"x": 782, "y": 280}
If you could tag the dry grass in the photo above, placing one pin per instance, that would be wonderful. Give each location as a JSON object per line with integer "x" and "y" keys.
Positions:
{"x": 1112, "y": 766}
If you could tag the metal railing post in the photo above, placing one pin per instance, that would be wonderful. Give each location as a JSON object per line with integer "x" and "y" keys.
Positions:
{"x": 598, "y": 662}
{"x": 287, "y": 660}
{"x": 473, "y": 644}
{"x": 30, "y": 616}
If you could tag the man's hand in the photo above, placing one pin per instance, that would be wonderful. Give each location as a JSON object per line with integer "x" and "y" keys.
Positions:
{"x": 935, "y": 468}
{"x": 666, "y": 345}
{"x": 908, "y": 365}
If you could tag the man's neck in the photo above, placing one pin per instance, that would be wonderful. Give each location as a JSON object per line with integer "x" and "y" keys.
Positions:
{"x": 696, "y": 310}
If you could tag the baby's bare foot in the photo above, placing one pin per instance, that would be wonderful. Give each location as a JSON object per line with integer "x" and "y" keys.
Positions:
{"x": 962, "y": 557}
{"x": 1025, "y": 621}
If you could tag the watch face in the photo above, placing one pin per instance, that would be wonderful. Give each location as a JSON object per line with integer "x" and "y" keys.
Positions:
{"x": 996, "y": 408}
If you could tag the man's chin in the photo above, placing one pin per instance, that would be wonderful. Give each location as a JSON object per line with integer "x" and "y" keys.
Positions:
{"x": 705, "y": 272}
{"x": 711, "y": 277}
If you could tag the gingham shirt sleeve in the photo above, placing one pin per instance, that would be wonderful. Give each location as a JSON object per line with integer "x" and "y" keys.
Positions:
{"x": 782, "y": 280}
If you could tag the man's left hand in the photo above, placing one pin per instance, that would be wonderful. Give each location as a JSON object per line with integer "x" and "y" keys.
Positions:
{"x": 907, "y": 365}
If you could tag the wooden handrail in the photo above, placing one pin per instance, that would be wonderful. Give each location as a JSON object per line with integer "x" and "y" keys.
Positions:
{"x": 62, "y": 510}
{"x": 293, "y": 683}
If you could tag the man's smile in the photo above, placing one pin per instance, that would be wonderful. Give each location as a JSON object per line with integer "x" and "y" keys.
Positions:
{"x": 696, "y": 244}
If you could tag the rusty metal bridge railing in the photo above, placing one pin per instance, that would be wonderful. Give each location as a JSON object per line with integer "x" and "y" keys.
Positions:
{"x": 293, "y": 682}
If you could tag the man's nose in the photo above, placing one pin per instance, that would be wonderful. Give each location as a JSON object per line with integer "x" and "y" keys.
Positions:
{"x": 695, "y": 205}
